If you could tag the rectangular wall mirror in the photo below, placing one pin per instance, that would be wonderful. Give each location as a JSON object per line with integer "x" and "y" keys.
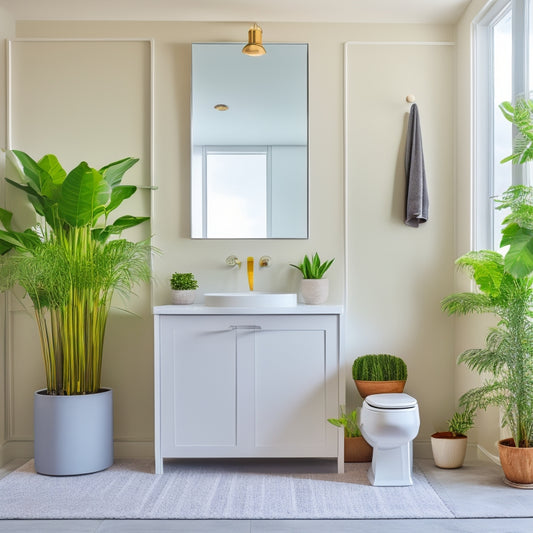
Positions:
{"x": 249, "y": 142}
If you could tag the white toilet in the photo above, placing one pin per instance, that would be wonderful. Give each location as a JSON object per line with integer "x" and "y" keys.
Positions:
{"x": 389, "y": 423}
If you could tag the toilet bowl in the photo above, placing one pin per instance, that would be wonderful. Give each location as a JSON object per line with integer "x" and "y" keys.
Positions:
{"x": 389, "y": 423}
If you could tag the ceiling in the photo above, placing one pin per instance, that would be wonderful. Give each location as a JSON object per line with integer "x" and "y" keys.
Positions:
{"x": 362, "y": 11}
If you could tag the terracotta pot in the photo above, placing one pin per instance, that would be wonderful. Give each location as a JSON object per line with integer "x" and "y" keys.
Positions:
{"x": 314, "y": 291}
{"x": 448, "y": 450}
{"x": 357, "y": 450}
{"x": 366, "y": 388}
{"x": 517, "y": 463}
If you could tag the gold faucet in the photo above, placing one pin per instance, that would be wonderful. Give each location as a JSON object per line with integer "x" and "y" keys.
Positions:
{"x": 250, "y": 265}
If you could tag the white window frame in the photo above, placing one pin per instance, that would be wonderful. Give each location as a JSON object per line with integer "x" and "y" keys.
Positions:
{"x": 483, "y": 157}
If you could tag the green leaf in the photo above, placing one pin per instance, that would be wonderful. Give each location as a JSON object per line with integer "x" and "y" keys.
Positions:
{"x": 5, "y": 218}
{"x": 21, "y": 240}
{"x": 53, "y": 168}
{"x": 486, "y": 268}
{"x": 464, "y": 303}
{"x": 118, "y": 195}
{"x": 83, "y": 196}
{"x": 34, "y": 197}
{"x": 519, "y": 257}
{"x": 122, "y": 223}
{"x": 30, "y": 168}
{"x": 114, "y": 172}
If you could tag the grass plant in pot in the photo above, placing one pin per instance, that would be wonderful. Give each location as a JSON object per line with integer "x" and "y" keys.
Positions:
{"x": 314, "y": 288}
{"x": 70, "y": 263}
{"x": 449, "y": 447}
{"x": 183, "y": 286}
{"x": 356, "y": 449}
{"x": 378, "y": 374}
{"x": 505, "y": 289}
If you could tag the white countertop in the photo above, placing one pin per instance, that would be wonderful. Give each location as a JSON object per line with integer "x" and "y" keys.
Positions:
{"x": 300, "y": 309}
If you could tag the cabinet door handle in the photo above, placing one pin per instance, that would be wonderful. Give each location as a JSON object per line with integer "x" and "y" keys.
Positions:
{"x": 245, "y": 327}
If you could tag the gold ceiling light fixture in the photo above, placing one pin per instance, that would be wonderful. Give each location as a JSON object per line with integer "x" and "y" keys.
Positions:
{"x": 255, "y": 42}
{"x": 221, "y": 107}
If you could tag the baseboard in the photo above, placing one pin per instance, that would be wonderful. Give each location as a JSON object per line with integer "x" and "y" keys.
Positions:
{"x": 123, "y": 449}
{"x": 422, "y": 450}
{"x": 15, "y": 449}
{"x": 133, "y": 449}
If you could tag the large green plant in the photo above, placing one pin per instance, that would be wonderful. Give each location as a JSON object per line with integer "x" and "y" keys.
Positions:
{"x": 72, "y": 261}
{"x": 504, "y": 283}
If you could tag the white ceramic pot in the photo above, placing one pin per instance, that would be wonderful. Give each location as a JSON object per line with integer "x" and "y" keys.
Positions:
{"x": 73, "y": 434}
{"x": 448, "y": 451}
{"x": 314, "y": 291}
{"x": 183, "y": 297}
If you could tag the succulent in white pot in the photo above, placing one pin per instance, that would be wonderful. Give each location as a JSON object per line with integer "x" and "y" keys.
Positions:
{"x": 314, "y": 288}
{"x": 183, "y": 286}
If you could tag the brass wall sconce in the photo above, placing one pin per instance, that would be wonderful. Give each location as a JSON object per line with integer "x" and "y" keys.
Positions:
{"x": 255, "y": 42}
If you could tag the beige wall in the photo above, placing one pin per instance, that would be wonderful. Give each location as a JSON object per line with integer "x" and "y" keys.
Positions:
{"x": 396, "y": 275}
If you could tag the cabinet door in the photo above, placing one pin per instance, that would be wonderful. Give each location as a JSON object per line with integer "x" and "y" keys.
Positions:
{"x": 295, "y": 386}
{"x": 198, "y": 386}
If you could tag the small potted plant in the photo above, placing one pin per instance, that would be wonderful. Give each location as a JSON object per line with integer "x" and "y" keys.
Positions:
{"x": 356, "y": 449}
{"x": 314, "y": 287}
{"x": 183, "y": 286}
{"x": 449, "y": 447}
{"x": 379, "y": 373}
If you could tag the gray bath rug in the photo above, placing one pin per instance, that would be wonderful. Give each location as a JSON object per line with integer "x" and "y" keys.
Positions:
{"x": 208, "y": 490}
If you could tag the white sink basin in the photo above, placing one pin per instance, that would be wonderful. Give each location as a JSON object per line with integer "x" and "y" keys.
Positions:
{"x": 250, "y": 299}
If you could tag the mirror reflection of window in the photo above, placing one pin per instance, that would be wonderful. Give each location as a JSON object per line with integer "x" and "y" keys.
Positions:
{"x": 236, "y": 199}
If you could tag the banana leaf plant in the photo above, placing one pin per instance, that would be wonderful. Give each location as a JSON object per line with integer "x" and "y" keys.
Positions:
{"x": 72, "y": 261}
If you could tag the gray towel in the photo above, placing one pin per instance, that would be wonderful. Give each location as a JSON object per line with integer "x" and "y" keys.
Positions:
{"x": 416, "y": 205}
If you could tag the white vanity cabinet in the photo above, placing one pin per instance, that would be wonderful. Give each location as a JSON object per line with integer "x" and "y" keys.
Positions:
{"x": 247, "y": 385}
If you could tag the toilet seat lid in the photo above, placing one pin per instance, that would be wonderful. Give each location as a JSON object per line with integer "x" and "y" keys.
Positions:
{"x": 391, "y": 401}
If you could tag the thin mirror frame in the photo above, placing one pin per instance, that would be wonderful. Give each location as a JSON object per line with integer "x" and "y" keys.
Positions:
{"x": 307, "y": 200}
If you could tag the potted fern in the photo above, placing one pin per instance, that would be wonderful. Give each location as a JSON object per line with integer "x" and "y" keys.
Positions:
{"x": 314, "y": 288}
{"x": 183, "y": 287}
{"x": 356, "y": 449}
{"x": 70, "y": 263}
{"x": 449, "y": 447}
{"x": 505, "y": 289}
{"x": 379, "y": 373}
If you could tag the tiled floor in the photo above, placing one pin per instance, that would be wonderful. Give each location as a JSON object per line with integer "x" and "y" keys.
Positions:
{"x": 474, "y": 490}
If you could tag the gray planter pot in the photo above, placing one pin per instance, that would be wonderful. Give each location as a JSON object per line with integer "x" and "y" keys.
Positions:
{"x": 73, "y": 434}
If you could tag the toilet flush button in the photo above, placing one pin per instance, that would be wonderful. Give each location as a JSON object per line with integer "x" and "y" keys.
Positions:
{"x": 391, "y": 401}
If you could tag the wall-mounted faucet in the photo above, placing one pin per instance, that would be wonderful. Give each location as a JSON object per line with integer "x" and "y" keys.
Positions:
{"x": 233, "y": 261}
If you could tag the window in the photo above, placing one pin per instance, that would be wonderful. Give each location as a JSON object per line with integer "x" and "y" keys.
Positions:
{"x": 502, "y": 59}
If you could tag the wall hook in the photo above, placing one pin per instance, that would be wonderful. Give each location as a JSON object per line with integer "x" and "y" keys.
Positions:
{"x": 410, "y": 98}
